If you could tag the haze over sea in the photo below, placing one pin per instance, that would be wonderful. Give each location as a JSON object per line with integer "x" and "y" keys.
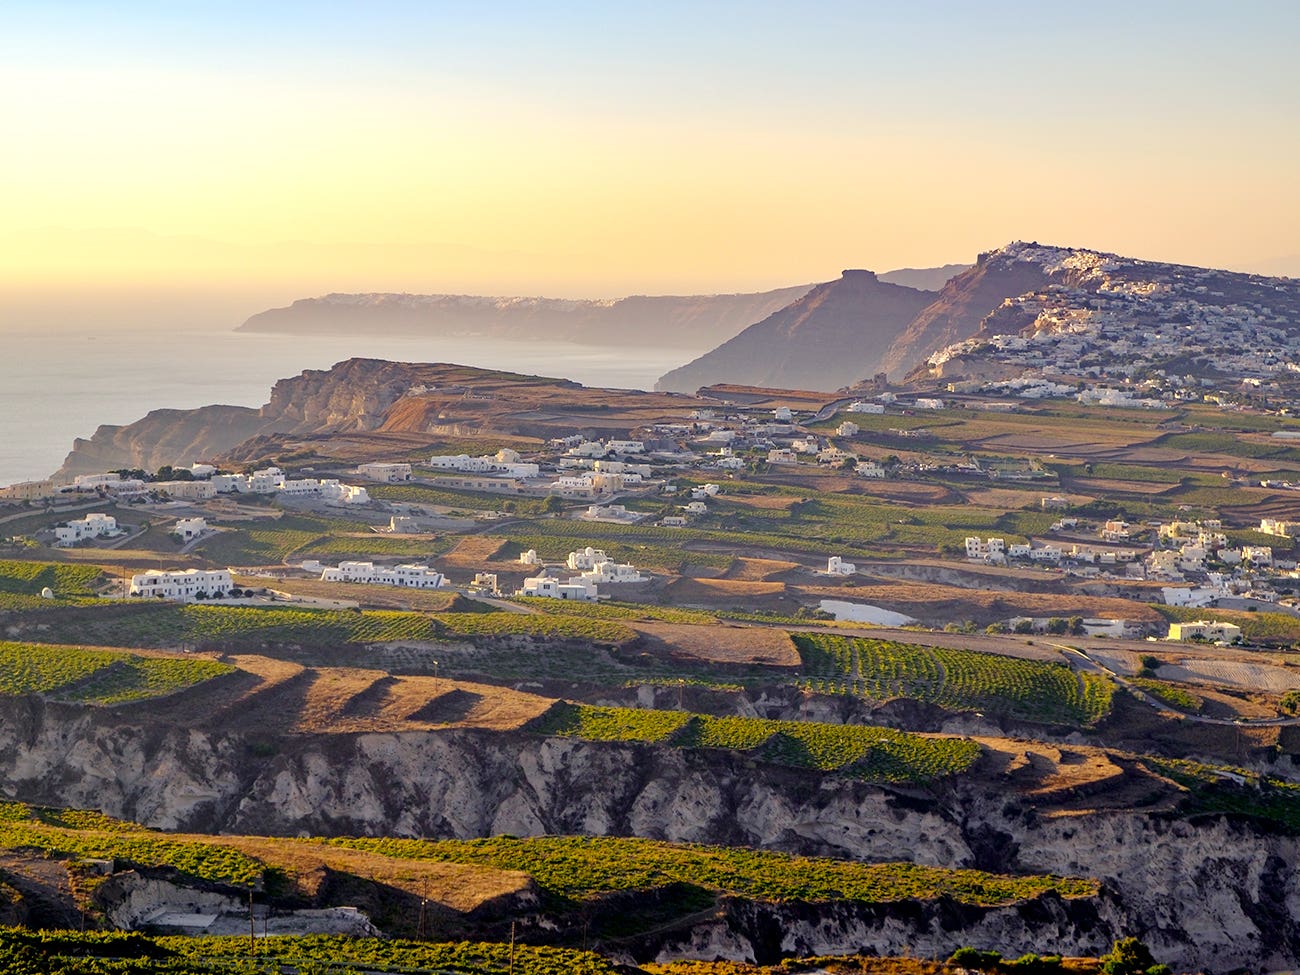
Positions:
{"x": 57, "y": 385}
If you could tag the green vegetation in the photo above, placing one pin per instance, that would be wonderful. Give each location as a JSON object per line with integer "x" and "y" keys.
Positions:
{"x": 577, "y": 867}
{"x": 156, "y": 624}
{"x": 21, "y": 584}
{"x": 1171, "y": 694}
{"x": 1215, "y": 789}
{"x": 97, "y": 676}
{"x": 859, "y": 751}
{"x": 88, "y": 835}
{"x": 25, "y": 952}
{"x": 956, "y": 679}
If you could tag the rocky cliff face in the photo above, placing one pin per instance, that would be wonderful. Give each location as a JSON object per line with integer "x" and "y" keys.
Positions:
{"x": 961, "y": 307}
{"x": 351, "y": 396}
{"x": 1213, "y": 894}
{"x": 831, "y": 337}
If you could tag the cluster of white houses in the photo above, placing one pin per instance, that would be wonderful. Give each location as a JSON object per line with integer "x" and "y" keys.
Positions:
{"x": 594, "y": 568}
{"x": 270, "y": 480}
{"x": 504, "y": 463}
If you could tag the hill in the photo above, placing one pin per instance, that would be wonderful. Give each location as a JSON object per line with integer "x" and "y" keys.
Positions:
{"x": 830, "y": 337}
{"x": 691, "y": 320}
{"x": 1174, "y": 316}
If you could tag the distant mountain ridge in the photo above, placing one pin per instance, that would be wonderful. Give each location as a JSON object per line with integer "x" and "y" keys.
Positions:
{"x": 691, "y": 321}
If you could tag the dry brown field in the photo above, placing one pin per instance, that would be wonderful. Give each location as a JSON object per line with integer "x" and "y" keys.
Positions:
{"x": 720, "y": 644}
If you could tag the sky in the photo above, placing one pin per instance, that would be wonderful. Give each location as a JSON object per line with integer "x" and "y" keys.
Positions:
{"x": 237, "y": 155}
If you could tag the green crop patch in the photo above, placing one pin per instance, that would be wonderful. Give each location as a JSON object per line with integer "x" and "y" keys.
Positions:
{"x": 578, "y": 867}
{"x": 98, "y": 676}
{"x": 963, "y": 680}
{"x": 132, "y": 953}
{"x": 858, "y": 751}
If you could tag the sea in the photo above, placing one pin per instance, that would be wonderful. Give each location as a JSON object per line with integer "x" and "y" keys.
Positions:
{"x": 56, "y": 385}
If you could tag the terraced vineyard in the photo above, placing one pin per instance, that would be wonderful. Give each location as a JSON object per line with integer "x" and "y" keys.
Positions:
{"x": 67, "y": 953}
{"x": 21, "y": 584}
{"x": 98, "y": 676}
{"x": 957, "y": 679}
{"x": 236, "y": 627}
{"x": 577, "y": 867}
{"x": 859, "y": 751}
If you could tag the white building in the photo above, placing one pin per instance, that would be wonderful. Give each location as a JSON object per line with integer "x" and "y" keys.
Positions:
{"x": 1257, "y": 554}
{"x": 705, "y": 491}
{"x": 485, "y": 582}
{"x": 183, "y": 586}
{"x": 186, "y": 490}
{"x": 549, "y": 587}
{"x": 1213, "y": 631}
{"x": 1286, "y": 529}
{"x": 836, "y": 566}
{"x": 868, "y": 468}
{"x": 189, "y": 528}
{"x": 988, "y": 549}
{"x": 92, "y": 481}
{"x": 407, "y": 576}
{"x": 229, "y": 483}
{"x": 696, "y": 508}
{"x": 386, "y": 473}
{"x": 616, "y": 513}
{"x": 782, "y": 414}
{"x": 848, "y": 429}
{"x": 94, "y": 525}
{"x": 625, "y": 447}
{"x": 529, "y": 558}
{"x": 504, "y": 463}
{"x": 861, "y": 406}
{"x": 586, "y": 558}
{"x": 266, "y": 481}
{"x": 673, "y": 521}
{"x": 202, "y": 471}
{"x": 929, "y": 403}
{"x": 611, "y": 572}
{"x": 782, "y": 455}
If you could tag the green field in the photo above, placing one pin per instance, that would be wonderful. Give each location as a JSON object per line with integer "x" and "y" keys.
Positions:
{"x": 859, "y": 751}
{"x": 24, "y": 952}
{"x": 157, "y": 624}
{"x": 958, "y": 679}
{"x": 576, "y": 867}
{"x": 98, "y": 676}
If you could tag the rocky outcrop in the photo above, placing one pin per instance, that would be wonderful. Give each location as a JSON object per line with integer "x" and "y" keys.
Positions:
{"x": 960, "y": 308}
{"x": 831, "y": 337}
{"x": 1212, "y": 894}
{"x": 352, "y": 396}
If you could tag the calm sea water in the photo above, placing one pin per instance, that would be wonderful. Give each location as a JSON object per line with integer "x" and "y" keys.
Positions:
{"x": 58, "y": 385}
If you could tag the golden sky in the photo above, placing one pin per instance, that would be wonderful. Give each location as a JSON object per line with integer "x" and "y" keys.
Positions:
{"x": 426, "y": 147}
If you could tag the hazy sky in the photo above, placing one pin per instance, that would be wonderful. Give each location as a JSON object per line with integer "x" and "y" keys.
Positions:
{"x": 280, "y": 149}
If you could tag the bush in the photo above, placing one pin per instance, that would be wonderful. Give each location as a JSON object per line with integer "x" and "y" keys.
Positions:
{"x": 1129, "y": 956}
{"x": 974, "y": 958}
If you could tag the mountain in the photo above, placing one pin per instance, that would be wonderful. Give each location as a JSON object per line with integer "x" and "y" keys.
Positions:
{"x": 923, "y": 278}
{"x": 961, "y": 306}
{"x": 830, "y": 337}
{"x": 1078, "y": 307}
{"x": 698, "y": 321}
{"x": 1029, "y": 308}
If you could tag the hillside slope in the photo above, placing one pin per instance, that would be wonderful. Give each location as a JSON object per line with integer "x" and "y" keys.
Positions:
{"x": 831, "y": 337}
